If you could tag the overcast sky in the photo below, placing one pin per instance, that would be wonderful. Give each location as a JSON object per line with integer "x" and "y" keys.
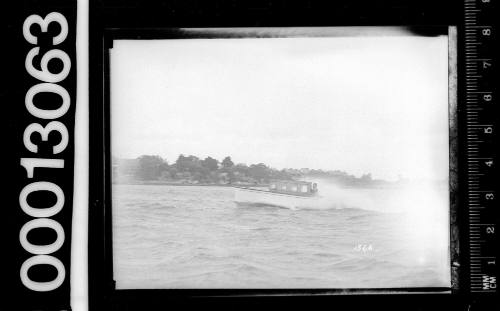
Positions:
{"x": 361, "y": 104}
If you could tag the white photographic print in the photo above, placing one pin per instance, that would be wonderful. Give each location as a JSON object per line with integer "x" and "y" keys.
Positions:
{"x": 281, "y": 158}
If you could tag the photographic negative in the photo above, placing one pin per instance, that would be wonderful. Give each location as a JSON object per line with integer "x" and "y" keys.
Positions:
{"x": 282, "y": 158}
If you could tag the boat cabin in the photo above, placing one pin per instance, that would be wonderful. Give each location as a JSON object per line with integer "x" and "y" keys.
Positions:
{"x": 293, "y": 187}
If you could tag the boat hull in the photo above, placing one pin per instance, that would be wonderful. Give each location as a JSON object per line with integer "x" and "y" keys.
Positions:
{"x": 248, "y": 196}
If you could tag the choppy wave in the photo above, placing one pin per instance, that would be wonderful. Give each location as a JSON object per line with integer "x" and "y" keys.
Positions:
{"x": 197, "y": 237}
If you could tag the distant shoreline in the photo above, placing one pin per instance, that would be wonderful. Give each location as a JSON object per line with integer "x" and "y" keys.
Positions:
{"x": 180, "y": 184}
{"x": 167, "y": 183}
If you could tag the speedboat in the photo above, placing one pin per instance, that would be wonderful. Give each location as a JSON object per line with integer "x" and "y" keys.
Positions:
{"x": 290, "y": 194}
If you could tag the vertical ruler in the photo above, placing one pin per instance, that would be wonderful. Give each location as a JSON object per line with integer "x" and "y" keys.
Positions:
{"x": 481, "y": 113}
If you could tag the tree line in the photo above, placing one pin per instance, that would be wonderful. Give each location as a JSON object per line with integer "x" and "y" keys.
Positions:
{"x": 191, "y": 169}
{"x": 195, "y": 170}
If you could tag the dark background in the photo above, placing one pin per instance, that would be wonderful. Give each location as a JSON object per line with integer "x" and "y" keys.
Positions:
{"x": 16, "y": 118}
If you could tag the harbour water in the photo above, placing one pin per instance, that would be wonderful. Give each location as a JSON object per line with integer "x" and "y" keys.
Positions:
{"x": 196, "y": 237}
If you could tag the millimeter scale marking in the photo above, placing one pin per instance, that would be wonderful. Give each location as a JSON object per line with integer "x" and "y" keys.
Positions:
{"x": 480, "y": 160}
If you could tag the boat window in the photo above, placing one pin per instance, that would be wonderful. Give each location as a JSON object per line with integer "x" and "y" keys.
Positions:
{"x": 283, "y": 187}
{"x": 272, "y": 186}
{"x": 304, "y": 188}
{"x": 294, "y": 188}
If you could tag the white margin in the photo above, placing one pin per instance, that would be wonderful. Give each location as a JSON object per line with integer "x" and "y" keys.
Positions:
{"x": 79, "y": 240}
